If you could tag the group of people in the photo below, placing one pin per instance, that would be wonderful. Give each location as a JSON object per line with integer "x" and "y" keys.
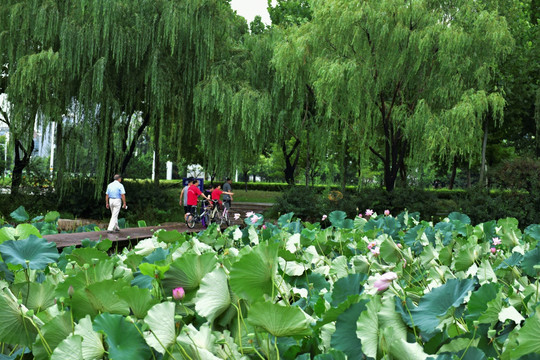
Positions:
{"x": 115, "y": 198}
{"x": 191, "y": 193}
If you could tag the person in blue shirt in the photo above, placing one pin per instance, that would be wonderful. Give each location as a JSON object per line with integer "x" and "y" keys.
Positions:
{"x": 114, "y": 197}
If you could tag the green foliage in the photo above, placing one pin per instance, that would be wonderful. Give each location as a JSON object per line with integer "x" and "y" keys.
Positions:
{"x": 300, "y": 288}
{"x": 32, "y": 253}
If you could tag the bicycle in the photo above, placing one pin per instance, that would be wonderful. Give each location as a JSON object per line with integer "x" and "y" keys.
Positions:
{"x": 203, "y": 217}
{"x": 219, "y": 217}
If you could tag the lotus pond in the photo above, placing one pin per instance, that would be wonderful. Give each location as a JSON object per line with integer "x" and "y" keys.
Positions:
{"x": 380, "y": 287}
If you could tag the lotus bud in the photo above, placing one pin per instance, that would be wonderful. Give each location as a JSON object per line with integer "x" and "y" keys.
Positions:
{"x": 178, "y": 293}
{"x": 71, "y": 291}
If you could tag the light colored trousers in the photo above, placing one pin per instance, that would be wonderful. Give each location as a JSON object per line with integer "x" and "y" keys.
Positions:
{"x": 114, "y": 205}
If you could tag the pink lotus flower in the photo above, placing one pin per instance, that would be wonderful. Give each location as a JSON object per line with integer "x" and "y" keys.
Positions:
{"x": 324, "y": 217}
{"x": 369, "y": 212}
{"x": 359, "y": 215}
{"x": 178, "y": 293}
{"x": 264, "y": 227}
{"x": 400, "y": 246}
{"x": 236, "y": 216}
{"x": 386, "y": 212}
{"x": 497, "y": 241}
{"x": 375, "y": 251}
{"x": 250, "y": 214}
{"x": 254, "y": 219}
{"x": 385, "y": 280}
{"x": 371, "y": 245}
{"x": 493, "y": 250}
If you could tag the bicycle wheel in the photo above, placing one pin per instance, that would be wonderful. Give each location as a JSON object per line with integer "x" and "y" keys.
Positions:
{"x": 225, "y": 218}
{"x": 190, "y": 221}
{"x": 216, "y": 217}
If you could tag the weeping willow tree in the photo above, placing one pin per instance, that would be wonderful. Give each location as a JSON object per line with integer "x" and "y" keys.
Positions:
{"x": 31, "y": 73}
{"x": 136, "y": 64}
{"x": 406, "y": 79}
{"x": 244, "y": 108}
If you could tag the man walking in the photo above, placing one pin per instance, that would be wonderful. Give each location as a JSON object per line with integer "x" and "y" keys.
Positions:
{"x": 227, "y": 188}
{"x": 114, "y": 197}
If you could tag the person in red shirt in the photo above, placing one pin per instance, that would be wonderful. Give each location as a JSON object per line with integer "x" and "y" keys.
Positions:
{"x": 193, "y": 194}
{"x": 216, "y": 194}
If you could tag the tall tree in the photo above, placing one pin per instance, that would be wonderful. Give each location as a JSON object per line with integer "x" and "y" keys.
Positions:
{"x": 402, "y": 77}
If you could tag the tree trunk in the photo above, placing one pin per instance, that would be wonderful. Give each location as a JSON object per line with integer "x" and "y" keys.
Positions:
{"x": 537, "y": 121}
{"x": 469, "y": 177}
{"x": 20, "y": 164}
{"x": 290, "y": 166}
{"x": 307, "y": 159}
{"x": 484, "y": 146}
{"x": 157, "y": 157}
{"x": 453, "y": 174}
{"x": 343, "y": 180}
{"x": 127, "y": 156}
{"x": 59, "y": 160}
{"x": 246, "y": 179}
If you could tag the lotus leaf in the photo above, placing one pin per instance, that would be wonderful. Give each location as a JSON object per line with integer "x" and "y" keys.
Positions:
{"x": 33, "y": 252}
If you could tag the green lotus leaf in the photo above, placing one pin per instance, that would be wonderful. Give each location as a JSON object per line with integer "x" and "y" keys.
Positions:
{"x": 22, "y": 231}
{"x": 466, "y": 256}
{"x": 48, "y": 228}
{"x": 252, "y": 276}
{"x": 528, "y": 338}
{"x": 398, "y": 346}
{"x": 99, "y": 298}
{"x": 344, "y": 338}
{"x": 531, "y": 259}
{"x": 350, "y": 285}
{"x": 69, "y": 349}
{"x": 92, "y": 345}
{"x": 213, "y": 297}
{"x": 89, "y": 255}
{"x": 156, "y": 256}
{"x": 188, "y": 271}
{"x": 367, "y": 328}
{"x": 493, "y": 309}
{"x": 54, "y": 331}
{"x": 456, "y": 216}
{"x": 337, "y": 218}
{"x": 20, "y": 214}
{"x": 39, "y": 297}
{"x": 533, "y": 231}
{"x": 279, "y": 320}
{"x": 331, "y": 355}
{"x": 15, "y": 328}
{"x": 160, "y": 320}
{"x": 36, "y": 251}
{"x": 513, "y": 260}
{"x": 479, "y": 300}
{"x": 170, "y": 237}
{"x": 52, "y": 216}
{"x": 435, "y": 305}
{"x": 140, "y": 300}
{"x": 285, "y": 219}
{"x": 123, "y": 339}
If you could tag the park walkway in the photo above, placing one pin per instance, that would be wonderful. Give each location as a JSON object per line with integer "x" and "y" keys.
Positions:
{"x": 134, "y": 235}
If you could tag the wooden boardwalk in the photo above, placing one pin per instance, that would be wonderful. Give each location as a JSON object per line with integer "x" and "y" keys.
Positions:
{"x": 134, "y": 235}
{"x": 124, "y": 237}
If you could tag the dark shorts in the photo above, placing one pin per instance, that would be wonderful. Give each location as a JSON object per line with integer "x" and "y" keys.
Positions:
{"x": 190, "y": 209}
{"x": 227, "y": 204}
{"x": 187, "y": 209}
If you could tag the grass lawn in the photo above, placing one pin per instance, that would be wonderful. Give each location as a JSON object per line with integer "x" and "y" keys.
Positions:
{"x": 257, "y": 196}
